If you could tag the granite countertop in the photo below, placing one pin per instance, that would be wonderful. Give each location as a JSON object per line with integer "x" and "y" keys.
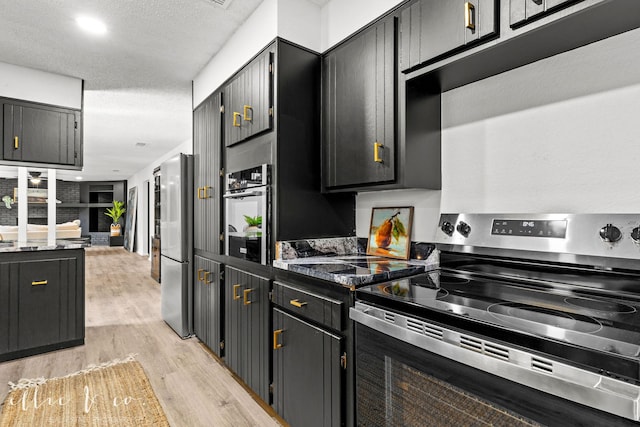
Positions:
{"x": 41, "y": 245}
{"x": 338, "y": 261}
{"x": 354, "y": 270}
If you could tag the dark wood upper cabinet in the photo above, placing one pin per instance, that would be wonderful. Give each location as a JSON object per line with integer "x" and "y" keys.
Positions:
{"x": 248, "y": 101}
{"x": 522, "y": 11}
{"x": 432, "y": 28}
{"x": 359, "y": 116}
{"x": 207, "y": 162}
{"x": 41, "y": 134}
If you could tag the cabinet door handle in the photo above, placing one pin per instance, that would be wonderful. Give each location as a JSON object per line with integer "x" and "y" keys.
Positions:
{"x": 376, "y": 152}
{"x": 297, "y": 303}
{"x": 16, "y": 145}
{"x": 205, "y": 277}
{"x": 235, "y": 292}
{"x": 236, "y": 123}
{"x": 205, "y": 194}
{"x": 246, "y": 115}
{"x": 276, "y": 334}
{"x": 200, "y": 270}
{"x": 469, "y": 10}
{"x": 246, "y": 296}
{"x": 199, "y": 192}
{"x": 39, "y": 282}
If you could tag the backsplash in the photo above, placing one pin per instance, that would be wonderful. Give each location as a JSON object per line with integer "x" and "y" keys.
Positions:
{"x": 342, "y": 246}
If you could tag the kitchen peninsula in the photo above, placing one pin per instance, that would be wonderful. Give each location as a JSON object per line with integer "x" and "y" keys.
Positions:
{"x": 41, "y": 297}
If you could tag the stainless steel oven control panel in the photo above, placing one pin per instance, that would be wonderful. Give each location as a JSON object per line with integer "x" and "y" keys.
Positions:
{"x": 614, "y": 236}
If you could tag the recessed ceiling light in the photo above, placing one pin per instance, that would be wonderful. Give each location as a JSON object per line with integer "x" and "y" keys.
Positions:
{"x": 116, "y": 170}
{"x": 141, "y": 144}
{"x": 79, "y": 178}
{"x": 91, "y": 25}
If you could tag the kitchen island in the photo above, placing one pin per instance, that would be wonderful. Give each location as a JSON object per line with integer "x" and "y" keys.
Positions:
{"x": 41, "y": 297}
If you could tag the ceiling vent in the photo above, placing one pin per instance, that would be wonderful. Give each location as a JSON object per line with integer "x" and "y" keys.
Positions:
{"x": 222, "y": 3}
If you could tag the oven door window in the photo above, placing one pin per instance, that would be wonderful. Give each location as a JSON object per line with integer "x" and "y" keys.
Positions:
{"x": 398, "y": 384}
{"x": 246, "y": 220}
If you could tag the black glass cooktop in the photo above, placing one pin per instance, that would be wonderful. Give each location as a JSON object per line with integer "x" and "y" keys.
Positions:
{"x": 529, "y": 313}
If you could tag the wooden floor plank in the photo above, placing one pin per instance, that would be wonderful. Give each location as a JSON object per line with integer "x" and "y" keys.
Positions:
{"x": 123, "y": 317}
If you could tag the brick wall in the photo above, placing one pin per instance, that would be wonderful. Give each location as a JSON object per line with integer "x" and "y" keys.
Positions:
{"x": 67, "y": 192}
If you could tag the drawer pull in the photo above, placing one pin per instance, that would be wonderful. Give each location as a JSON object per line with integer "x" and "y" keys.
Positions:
{"x": 236, "y": 115}
{"x": 276, "y": 344}
{"x": 200, "y": 270}
{"x": 39, "y": 282}
{"x": 469, "y": 10}
{"x": 376, "y": 152}
{"x": 16, "y": 145}
{"x": 246, "y": 111}
{"x": 297, "y": 303}
{"x": 205, "y": 277}
{"x": 246, "y": 296}
{"x": 235, "y": 292}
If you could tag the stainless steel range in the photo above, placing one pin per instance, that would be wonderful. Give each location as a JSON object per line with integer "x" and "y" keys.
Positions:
{"x": 530, "y": 319}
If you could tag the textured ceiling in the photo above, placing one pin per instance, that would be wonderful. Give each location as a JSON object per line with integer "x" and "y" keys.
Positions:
{"x": 137, "y": 77}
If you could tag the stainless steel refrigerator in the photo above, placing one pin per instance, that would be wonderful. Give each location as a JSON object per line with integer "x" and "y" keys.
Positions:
{"x": 176, "y": 246}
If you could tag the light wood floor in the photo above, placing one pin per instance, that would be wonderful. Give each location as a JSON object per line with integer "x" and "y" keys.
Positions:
{"x": 123, "y": 317}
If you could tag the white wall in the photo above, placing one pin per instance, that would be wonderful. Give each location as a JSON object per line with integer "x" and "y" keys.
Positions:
{"x": 341, "y": 18}
{"x": 560, "y": 135}
{"x": 299, "y": 21}
{"x": 39, "y": 86}
{"x": 138, "y": 180}
{"x": 295, "y": 20}
{"x": 257, "y": 31}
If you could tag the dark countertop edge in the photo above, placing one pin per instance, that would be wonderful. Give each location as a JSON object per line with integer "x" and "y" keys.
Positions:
{"x": 35, "y": 246}
{"x": 351, "y": 280}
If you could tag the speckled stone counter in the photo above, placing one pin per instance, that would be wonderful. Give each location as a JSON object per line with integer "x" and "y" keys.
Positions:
{"x": 42, "y": 245}
{"x": 342, "y": 261}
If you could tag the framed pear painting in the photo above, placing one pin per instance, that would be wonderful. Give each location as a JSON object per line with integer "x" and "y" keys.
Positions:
{"x": 390, "y": 232}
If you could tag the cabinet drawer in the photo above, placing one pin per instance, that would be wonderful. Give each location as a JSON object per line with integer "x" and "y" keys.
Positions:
{"x": 315, "y": 307}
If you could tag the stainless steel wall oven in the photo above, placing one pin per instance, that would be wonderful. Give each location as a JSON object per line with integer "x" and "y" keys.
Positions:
{"x": 531, "y": 319}
{"x": 247, "y": 214}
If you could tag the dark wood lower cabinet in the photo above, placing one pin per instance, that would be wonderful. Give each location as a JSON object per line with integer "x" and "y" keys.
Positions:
{"x": 307, "y": 372}
{"x": 41, "y": 302}
{"x": 247, "y": 332}
{"x": 207, "y": 303}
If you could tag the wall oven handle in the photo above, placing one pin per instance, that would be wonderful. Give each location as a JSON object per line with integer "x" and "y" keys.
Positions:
{"x": 242, "y": 194}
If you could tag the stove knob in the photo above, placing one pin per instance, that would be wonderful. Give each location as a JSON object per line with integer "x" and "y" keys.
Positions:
{"x": 610, "y": 233}
{"x": 635, "y": 234}
{"x": 463, "y": 228}
{"x": 447, "y": 228}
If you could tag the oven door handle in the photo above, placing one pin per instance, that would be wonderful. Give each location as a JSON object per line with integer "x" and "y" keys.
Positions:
{"x": 243, "y": 194}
